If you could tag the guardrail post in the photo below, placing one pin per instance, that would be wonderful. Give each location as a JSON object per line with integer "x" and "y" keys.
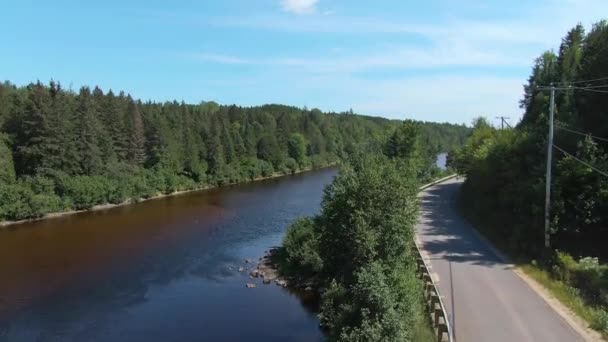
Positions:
{"x": 436, "y": 310}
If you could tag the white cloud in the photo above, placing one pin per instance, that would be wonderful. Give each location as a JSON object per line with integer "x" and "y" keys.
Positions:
{"x": 299, "y": 6}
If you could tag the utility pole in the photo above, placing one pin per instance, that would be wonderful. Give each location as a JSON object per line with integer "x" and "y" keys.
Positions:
{"x": 503, "y": 121}
{"x": 548, "y": 180}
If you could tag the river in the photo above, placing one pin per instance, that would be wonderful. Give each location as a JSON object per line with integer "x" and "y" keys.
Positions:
{"x": 442, "y": 161}
{"x": 161, "y": 270}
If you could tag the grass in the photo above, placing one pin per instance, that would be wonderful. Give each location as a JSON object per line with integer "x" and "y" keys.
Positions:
{"x": 423, "y": 331}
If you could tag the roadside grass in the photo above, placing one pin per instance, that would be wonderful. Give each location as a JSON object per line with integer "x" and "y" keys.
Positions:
{"x": 423, "y": 331}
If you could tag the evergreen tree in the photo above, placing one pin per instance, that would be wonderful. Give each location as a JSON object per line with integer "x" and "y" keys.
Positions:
{"x": 136, "y": 153}
{"x": 87, "y": 134}
{"x": 37, "y": 140}
{"x": 7, "y": 167}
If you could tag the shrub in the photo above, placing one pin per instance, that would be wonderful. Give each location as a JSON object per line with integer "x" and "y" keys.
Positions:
{"x": 301, "y": 245}
{"x": 291, "y": 165}
{"x": 86, "y": 192}
{"x": 14, "y": 204}
{"x": 587, "y": 275}
{"x": 266, "y": 168}
{"x": 600, "y": 321}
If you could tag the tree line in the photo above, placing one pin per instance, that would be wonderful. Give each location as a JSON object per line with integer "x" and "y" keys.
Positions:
{"x": 63, "y": 150}
{"x": 505, "y": 169}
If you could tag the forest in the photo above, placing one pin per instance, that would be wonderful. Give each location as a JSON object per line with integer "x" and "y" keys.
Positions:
{"x": 505, "y": 170}
{"x": 64, "y": 150}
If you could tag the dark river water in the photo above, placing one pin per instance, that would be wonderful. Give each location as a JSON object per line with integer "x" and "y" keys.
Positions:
{"x": 162, "y": 270}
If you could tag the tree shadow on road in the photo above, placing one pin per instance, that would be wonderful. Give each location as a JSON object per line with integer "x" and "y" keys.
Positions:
{"x": 445, "y": 234}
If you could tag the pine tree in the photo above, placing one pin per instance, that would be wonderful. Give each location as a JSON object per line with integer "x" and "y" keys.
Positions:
{"x": 136, "y": 153}
{"x": 106, "y": 145}
{"x": 87, "y": 134}
{"x": 37, "y": 140}
{"x": 7, "y": 167}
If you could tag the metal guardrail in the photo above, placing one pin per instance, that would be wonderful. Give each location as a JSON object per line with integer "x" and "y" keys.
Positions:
{"x": 434, "y": 301}
{"x": 439, "y": 318}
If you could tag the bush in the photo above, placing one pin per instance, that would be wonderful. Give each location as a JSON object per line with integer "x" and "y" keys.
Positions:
{"x": 587, "y": 275}
{"x": 291, "y": 165}
{"x": 266, "y": 168}
{"x": 14, "y": 202}
{"x": 600, "y": 321}
{"x": 301, "y": 245}
{"x": 86, "y": 192}
{"x": 19, "y": 201}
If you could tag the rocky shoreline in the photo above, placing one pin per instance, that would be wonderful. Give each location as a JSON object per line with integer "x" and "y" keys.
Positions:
{"x": 266, "y": 269}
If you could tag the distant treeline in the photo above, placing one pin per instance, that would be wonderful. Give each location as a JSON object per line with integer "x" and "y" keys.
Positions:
{"x": 61, "y": 150}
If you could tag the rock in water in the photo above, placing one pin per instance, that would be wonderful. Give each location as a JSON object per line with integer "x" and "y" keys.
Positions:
{"x": 248, "y": 261}
{"x": 281, "y": 283}
{"x": 255, "y": 273}
{"x": 250, "y": 285}
{"x": 267, "y": 281}
{"x": 241, "y": 269}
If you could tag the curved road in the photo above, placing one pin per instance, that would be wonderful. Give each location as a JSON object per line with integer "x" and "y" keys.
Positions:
{"x": 485, "y": 299}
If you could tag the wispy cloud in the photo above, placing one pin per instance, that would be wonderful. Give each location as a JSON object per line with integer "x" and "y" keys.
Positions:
{"x": 299, "y": 6}
{"x": 451, "y": 54}
{"x": 450, "y": 68}
{"x": 217, "y": 58}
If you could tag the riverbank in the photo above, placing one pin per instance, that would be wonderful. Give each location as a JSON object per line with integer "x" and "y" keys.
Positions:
{"x": 107, "y": 206}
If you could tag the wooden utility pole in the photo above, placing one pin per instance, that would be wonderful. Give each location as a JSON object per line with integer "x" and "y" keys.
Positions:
{"x": 548, "y": 180}
{"x": 503, "y": 121}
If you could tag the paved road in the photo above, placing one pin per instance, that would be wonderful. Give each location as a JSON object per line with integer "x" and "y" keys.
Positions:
{"x": 485, "y": 299}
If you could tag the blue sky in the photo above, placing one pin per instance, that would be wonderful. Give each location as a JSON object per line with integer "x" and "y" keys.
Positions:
{"x": 444, "y": 60}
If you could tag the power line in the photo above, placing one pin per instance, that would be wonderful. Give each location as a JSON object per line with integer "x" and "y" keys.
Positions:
{"x": 559, "y": 126}
{"x": 584, "y": 81}
{"x": 596, "y": 86}
{"x": 582, "y": 162}
{"x": 593, "y": 90}
{"x": 572, "y": 87}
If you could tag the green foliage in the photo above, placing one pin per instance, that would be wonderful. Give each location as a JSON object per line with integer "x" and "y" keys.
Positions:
{"x": 512, "y": 162}
{"x": 296, "y": 147}
{"x": 301, "y": 246}
{"x": 7, "y": 167}
{"x": 368, "y": 213}
{"x": 600, "y": 321}
{"x": 360, "y": 246}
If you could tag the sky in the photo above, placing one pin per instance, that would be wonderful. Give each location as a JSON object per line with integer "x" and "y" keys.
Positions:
{"x": 433, "y": 60}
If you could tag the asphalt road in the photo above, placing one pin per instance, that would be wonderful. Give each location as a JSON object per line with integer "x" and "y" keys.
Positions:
{"x": 485, "y": 299}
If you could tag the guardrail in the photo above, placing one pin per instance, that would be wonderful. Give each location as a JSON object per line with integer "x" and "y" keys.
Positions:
{"x": 434, "y": 301}
{"x": 439, "y": 317}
